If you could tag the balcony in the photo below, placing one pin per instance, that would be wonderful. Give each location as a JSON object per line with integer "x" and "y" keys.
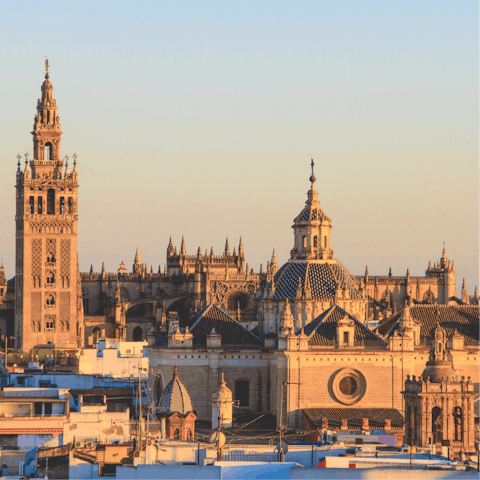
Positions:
{"x": 50, "y": 285}
{"x": 49, "y": 307}
{"x": 50, "y": 264}
{"x": 49, "y": 329}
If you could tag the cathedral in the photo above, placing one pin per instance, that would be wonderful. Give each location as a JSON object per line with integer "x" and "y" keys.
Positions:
{"x": 308, "y": 341}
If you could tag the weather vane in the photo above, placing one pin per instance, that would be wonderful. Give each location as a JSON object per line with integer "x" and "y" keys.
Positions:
{"x": 46, "y": 64}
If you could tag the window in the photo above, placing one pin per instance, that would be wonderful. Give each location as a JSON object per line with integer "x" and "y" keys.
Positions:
{"x": 325, "y": 241}
{"x": 51, "y": 201}
{"x": 48, "y": 148}
{"x": 242, "y": 392}
{"x": 348, "y": 385}
{"x": 70, "y": 205}
{"x": 137, "y": 334}
{"x": 44, "y": 384}
{"x": 40, "y": 205}
{"x": 62, "y": 205}
{"x": 50, "y": 325}
{"x": 50, "y": 300}
{"x": 315, "y": 241}
{"x": 21, "y": 380}
{"x": 176, "y": 434}
{"x": 237, "y": 300}
{"x": 51, "y": 258}
{"x": 345, "y": 338}
{"x": 31, "y": 206}
{"x": 48, "y": 408}
{"x": 304, "y": 241}
{"x": 50, "y": 278}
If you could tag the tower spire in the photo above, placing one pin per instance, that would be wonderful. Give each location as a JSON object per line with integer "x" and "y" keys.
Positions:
{"x": 227, "y": 248}
{"x": 312, "y": 177}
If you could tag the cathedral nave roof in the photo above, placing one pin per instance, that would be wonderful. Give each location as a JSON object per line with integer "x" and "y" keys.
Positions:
{"x": 462, "y": 318}
{"x": 232, "y": 332}
{"x": 322, "y": 331}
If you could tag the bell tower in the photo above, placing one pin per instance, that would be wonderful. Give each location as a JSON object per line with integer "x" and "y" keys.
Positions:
{"x": 48, "y": 305}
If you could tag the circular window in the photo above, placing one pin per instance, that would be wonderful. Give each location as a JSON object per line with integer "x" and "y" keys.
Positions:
{"x": 348, "y": 386}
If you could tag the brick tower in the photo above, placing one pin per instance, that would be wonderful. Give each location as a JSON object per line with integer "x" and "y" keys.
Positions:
{"x": 48, "y": 305}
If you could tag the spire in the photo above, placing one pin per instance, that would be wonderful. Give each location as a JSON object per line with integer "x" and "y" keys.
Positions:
{"x": 234, "y": 251}
{"x": 464, "y": 292}
{"x": 183, "y": 251}
{"x": 170, "y": 248}
{"x": 312, "y": 177}
{"x": 444, "y": 252}
{"x": 103, "y": 267}
{"x": 91, "y": 268}
{"x": 227, "y": 248}
{"x": 240, "y": 248}
{"x": 390, "y": 272}
{"x": 138, "y": 260}
{"x": 19, "y": 170}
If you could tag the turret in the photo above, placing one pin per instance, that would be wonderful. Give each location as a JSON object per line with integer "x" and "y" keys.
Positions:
{"x": 312, "y": 229}
{"x": 170, "y": 248}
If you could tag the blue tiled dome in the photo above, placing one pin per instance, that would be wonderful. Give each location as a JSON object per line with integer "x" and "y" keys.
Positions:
{"x": 323, "y": 279}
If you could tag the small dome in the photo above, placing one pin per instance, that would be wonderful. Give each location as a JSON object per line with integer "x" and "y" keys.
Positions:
{"x": 175, "y": 397}
{"x": 223, "y": 394}
{"x": 438, "y": 369}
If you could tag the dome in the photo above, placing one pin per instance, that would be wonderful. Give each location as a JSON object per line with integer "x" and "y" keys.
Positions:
{"x": 175, "y": 397}
{"x": 324, "y": 279}
{"x": 438, "y": 369}
{"x": 223, "y": 394}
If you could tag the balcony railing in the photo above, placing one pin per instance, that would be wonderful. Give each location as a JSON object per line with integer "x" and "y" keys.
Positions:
{"x": 50, "y": 285}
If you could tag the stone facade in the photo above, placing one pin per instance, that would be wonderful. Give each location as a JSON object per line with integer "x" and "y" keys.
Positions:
{"x": 48, "y": 306}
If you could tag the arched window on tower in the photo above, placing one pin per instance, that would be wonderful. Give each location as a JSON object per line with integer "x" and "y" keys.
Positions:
{"x": 31, "y": 208}
{"x": 315, "y": 241}
{"x": 40, "y": 205}
{"x": 304, "y": 241}
{"x": 70, "y": 205}
{"x": 48, "y": 151}
{"x": 50, "y": 279}
{"x": 62, "y": 205}
{"x": 51, "y": 201}
{"x": 325, "y": 241}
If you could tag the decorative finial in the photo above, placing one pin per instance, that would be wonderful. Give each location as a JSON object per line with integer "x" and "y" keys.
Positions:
{"x": 46, "y": 68}
{"x": 312, "y": 178}
{"x": 26, "y": 156}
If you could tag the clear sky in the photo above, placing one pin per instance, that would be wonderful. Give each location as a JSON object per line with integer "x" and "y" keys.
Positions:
{"x": 199, "y": 118}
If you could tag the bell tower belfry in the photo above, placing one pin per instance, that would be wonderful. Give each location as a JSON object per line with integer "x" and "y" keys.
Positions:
{"x": 48, "y": 306}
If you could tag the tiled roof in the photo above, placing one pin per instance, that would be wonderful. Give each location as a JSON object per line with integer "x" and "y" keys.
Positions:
{"x": 231, "y": 331}
{"x": 323, "y": 279}
{"x": 254, "y": 331}
{"x": 312, "y": 214}
{"x": 386, "y": 325}
{"x": 323, "y": 329}
{"x": 354, "y": 416}
{"x": 463, "y": 318}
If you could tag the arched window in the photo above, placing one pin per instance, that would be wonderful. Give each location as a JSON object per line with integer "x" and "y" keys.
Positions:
{"x": 176, "y": 434}
{"x": 137, "y": 334}
{"x": 51, "y": 257}
{"x": 237, "y": 300}
{"x": 70, "y": 205}
{"x": 458, "y": 424}
{"x": 62, "y": 205}
{"x": 31, "y": 206}
{"x": 51, "y": 201}
{"x": 189, "y": 436}
{"x": 325, "y": 241}
{"x": 50, "y": 325}
{"x": 96, "y": 332}
{"x": 437, "y": 425}
{"x": 50, "y": 300}
{"x": 50, "y": 278}
{"x": 48, "y": 151}
{"x": 315, "y": 241}
{"x": 40, "y": 205}
{"x": 304, "y": 241}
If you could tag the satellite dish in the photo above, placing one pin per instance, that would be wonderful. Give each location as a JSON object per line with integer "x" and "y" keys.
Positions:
{"x": 284, "y": 446}
{"x": 218, "y": 439}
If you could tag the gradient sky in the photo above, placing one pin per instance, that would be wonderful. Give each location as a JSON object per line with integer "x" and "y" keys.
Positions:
{"x": 199, "y": 118}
